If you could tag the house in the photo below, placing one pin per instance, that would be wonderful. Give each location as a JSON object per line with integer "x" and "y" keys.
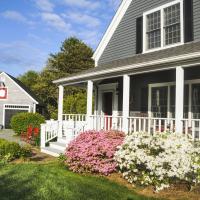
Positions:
{"x": 146, "y": 75}
{"x": 14, "y": 98}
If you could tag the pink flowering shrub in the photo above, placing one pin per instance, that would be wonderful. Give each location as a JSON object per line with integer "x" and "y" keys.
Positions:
{"x": 94, "y": 151}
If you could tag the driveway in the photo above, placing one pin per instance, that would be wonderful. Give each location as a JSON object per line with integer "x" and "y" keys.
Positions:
{"x": 9, "y": 135}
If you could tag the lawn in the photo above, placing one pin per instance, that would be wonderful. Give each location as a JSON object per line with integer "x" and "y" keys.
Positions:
{"x": 32, "y": 181}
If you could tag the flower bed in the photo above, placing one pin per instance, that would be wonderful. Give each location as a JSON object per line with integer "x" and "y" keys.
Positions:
{"x": 32, "y": 136}
{"x": 93, "y": 151}
{"x": 159, "y": 160}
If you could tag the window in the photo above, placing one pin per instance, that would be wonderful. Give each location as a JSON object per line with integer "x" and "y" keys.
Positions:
{"x": 163, "y": 26}
{"x": 153, "y": 30}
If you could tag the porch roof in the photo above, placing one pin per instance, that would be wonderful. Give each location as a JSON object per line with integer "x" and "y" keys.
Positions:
{"x": 184, "y": 55}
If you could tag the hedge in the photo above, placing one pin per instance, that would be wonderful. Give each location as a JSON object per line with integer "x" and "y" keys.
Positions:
{"x": 21, "y": 121}
{"x": 12, "y": 150}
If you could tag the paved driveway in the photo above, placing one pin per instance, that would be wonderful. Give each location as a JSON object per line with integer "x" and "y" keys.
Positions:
{"x": 9, "y": 135}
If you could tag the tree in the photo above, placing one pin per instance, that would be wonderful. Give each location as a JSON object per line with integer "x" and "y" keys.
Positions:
{"x": 73, "y": 57}
{"x": 29, "y": 79}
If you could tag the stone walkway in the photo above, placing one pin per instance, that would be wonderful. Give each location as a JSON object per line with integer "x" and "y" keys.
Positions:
{"x": 9, "y": 135}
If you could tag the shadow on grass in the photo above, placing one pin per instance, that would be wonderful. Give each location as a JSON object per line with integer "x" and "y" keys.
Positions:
{"x": 52, "y": 182}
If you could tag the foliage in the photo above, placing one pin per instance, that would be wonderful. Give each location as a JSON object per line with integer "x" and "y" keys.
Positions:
{"x": 74, "y": 56}
{"x": 93, "y": 151}
{"x": 29, "y": 78}
{"x": 76, "y": 103}
{"x": 12, "y": 150}
{"x": 158, "y": 160}
{"x": 21, "y": 121}
{"x": 50, "y": 181}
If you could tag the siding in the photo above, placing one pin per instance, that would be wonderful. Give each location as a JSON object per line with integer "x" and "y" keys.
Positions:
{"x": 123, "y": 41}
{"x": 15, "y": 96}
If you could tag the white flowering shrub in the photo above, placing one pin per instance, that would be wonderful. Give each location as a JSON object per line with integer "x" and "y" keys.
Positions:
{"x": 159, "y": 160}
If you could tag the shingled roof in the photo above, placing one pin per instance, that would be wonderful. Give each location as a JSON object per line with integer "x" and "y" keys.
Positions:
{"x": 25, "y": 88}
{"x": 186, "y": 49}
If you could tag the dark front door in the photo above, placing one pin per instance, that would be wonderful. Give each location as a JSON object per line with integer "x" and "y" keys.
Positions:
{"x": 9, "y": 113}
{"x": 107, "y": 103}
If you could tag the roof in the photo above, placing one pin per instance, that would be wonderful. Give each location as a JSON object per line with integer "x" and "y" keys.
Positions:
{"x": 26, "y": 89}
{"x": 171, "y": 57}
{"x": 124, "y": 5}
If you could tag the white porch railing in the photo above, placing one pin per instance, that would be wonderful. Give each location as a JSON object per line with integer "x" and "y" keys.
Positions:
{"x": 192, "y": 128}
{"x": 74, "y": 117}
{"x": 105, "y": 122}
{"x": 49, "y": 131}
{"x": 151, "y": 125}
{"x": 73, "y": 125}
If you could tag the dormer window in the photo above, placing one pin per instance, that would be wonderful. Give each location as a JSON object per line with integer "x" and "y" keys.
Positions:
{"x": 163, "y": 26}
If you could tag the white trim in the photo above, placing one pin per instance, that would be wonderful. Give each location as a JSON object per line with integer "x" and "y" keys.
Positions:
{"x": 110, "y": 87}
{"x": 179, "y": 99}
{"x": 135, "y": 66}
{"x": 126, "y": 102}
{"x": 111, "y": 29}
{"x": 168, "y": 84}
{"x": 20, "y": 87}
{"x": 7, "y": 95}
{"x": 161, "y": 9}
{"x": 4, "y": 109}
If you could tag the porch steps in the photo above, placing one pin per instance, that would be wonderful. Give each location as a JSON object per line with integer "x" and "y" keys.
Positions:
{"x": 55, "y": 148}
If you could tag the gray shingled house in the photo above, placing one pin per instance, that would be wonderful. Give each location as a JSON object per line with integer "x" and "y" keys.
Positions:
{"x": 15, "y": 97}
{"x": 146, "y": 75}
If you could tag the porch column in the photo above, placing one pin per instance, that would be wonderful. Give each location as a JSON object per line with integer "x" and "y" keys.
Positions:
{"x": 60, "y": 109}
{"x": 89, "y": 103}
{"x": 126, "y": 99}
{"x": 179, "y": 99}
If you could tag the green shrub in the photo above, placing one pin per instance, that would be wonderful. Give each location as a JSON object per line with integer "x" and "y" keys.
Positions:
{"x": 12, "y": 150}
{"x": 21, "y": 121}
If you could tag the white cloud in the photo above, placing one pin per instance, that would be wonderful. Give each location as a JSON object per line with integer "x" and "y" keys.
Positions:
{"x": 16, "y": 16}
{"x": 44, "y": 5}
{"x": 21, "y": 56}
{"x": 83, "y": 19}
{"x": 55, "y": 21}
{"x": 83, "y": 3}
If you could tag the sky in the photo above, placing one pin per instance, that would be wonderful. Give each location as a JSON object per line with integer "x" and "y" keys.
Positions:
{"x": 30, "y": 30}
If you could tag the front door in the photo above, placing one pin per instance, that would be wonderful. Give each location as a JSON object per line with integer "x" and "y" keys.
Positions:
{"x": 107, "y": 109}
{"x": 107, "y": 103}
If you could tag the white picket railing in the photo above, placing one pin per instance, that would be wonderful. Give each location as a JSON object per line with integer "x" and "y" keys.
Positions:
{"x": 192, "y": 128}
{"x": 73, "y": 125}
{"x": 49, "y": 131}
{"x": 151, "y": 125}
{"x": 74, "y": 117}
{"x": 106, "y": 122}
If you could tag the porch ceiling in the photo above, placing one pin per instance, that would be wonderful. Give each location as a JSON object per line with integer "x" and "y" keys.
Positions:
{"x": 184, "y": 55}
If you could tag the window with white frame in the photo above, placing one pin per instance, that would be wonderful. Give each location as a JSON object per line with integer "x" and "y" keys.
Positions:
{"x": 163, "y": 26}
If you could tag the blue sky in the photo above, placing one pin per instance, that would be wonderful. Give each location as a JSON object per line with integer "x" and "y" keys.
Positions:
{"x": 32, "y": 29}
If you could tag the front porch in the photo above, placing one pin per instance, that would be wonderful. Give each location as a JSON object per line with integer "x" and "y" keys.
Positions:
{"x": 160, "y": 101}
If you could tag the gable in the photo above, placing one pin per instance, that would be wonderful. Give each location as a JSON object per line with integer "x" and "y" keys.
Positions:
{"x": 16, "y": 93}
{"x": 122, "y": 43}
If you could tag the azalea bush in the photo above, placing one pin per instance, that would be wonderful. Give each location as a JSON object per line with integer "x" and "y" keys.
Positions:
{"x": 159, "y": 160}
{"x": 94, "y": 151}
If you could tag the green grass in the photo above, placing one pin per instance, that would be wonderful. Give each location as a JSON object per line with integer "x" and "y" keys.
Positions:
{"x": 29, "y": 181}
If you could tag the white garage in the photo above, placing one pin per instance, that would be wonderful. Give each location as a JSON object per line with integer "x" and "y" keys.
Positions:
{"x": 14, "y": 98}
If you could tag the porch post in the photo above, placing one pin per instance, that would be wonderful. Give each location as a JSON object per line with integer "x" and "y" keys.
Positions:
{"x": 60, "y": 109}
{"x": 89, "y": 103}
{"x": 179, "y": 98}
{"x": 126, "y": 99}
